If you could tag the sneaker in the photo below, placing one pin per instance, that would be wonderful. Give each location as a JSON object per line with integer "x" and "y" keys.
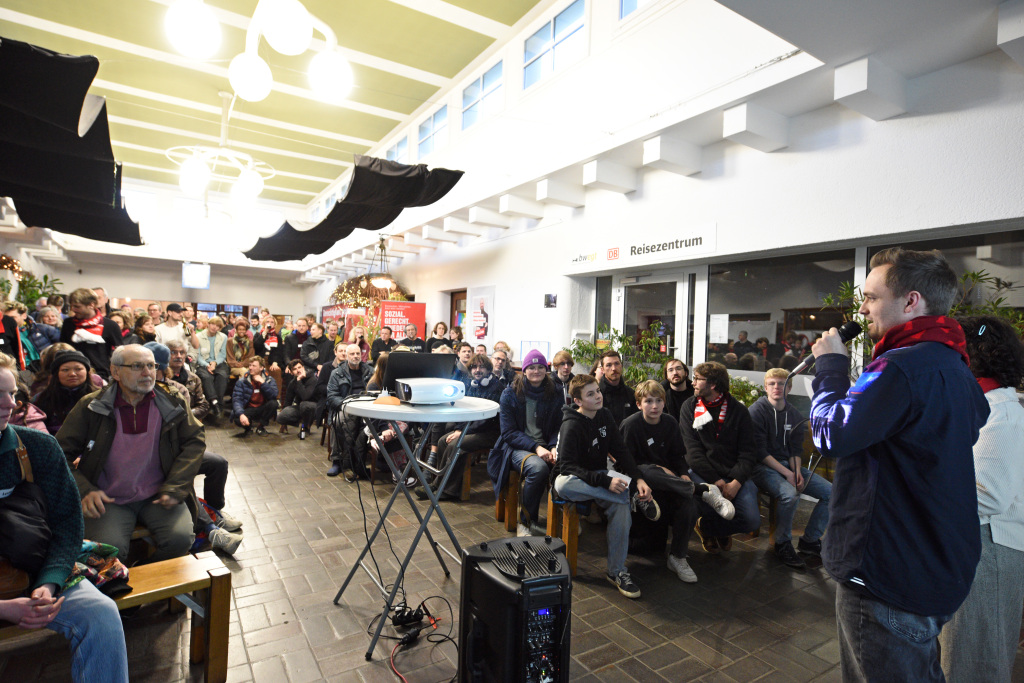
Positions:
{"x": 335, "y": 468}
{"x": 710, "y": 543}
{"x": 228, "y": 523}
{"x": 261, "y": 430}
{"x": 682, "y": 569}
{"x": 243, "y": 435}
{"x": 529, "y": 530}
{"x": 719, "y": 503}
{"x": 624, "y": 582}
{"x": 225, "y": 540}
{"x": 809, "y": 547}
{"x": 788, "y": 556}
{"x": 283, "y": 429}
{"x": 725, "y": 543}
{"x": 648, "y": 508}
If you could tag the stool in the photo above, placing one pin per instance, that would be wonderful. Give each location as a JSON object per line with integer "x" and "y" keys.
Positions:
{"x": 564, "y": 523}
{"x": 466, "y": 484}
{"x": 506, "y": 508}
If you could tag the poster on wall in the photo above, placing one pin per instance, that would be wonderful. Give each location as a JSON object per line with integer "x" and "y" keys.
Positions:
{"x": 398, "y": 314}
{"x": 334, "y": 312}
{"x": 480, "y": 315}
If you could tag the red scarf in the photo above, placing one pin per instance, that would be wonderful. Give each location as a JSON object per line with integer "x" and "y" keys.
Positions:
{"x": 926, "y": 328}
{"x": 987, "y": 384}
{"x": 93, "y": 324}
{"x": 701, "y": 416}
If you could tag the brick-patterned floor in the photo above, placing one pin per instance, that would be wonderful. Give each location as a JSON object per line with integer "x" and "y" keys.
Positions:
{"x": 748, "y": 618}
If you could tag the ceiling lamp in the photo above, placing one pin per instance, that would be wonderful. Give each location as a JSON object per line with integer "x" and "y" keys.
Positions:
{"x": 378, "y": 276}
{"x": 192, "y": 29}
{"x": 288, "y": 27}
{"x": 200, "y": 164}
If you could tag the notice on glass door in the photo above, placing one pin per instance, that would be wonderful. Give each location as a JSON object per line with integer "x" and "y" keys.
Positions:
{"x": 718, "y": 328}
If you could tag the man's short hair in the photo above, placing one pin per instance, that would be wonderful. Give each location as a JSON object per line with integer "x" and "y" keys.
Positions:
{"x": 775, "y": 373}
{"x": 716, "y": 375}
{"x": 578, "y": 383}
{"x": 215, "y": 320}
{"x": 762, "y": 339}
{"x": 925, "y": 272}
{"x": 175, "y": 345}
{"x": 312, "y": 325}
{"x": 258, "y": 359}
{"x": 8, "y": 363}
{"x": 670, "y": 361}
{"x": 610, "y": 353}
{"x": 294, "y": 364}
{"x": 388, "y": 328}
{"x": 501, "y": 351}
{"x": 83, "y": 296}
{"x": 649, "y": 388}
{"x": 464, "y": 345}
{"x": 117, "y": 356}
{"x": 56, "y": 300}
{"x": 480, "y": 359}
{"x": 560, "y": 357}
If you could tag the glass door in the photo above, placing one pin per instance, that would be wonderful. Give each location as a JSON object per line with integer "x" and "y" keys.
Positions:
{"x": 676, "y": 300}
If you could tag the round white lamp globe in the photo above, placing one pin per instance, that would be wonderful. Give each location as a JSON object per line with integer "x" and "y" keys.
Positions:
{"x": 250, "y": 77}
{"x": 192, "y": 29}
{"x": 330, "y": 77}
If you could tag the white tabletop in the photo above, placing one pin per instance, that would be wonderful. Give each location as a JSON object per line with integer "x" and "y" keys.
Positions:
{"x": 464, "y": 410}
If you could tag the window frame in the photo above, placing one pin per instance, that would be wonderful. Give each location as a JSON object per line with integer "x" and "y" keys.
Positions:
{"x": 552, "y": 44}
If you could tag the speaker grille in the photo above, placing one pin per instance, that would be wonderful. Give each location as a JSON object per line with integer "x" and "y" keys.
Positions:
{"x": 527, "y": 557}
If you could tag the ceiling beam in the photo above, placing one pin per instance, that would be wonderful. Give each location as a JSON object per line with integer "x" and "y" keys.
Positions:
{"x": 675, "y": 156}
{"x": 871, "y": 88}
{"x": 551, "y": 191}
{"x": 514, "y": 205}
{"x": 458, "y": 226}
{"x": 756, "y": 127}
{"x": 481, "y": 216}
{"x": 608, "y": 175}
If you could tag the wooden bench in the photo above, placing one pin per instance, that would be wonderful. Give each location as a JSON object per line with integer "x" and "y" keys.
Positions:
{"x": 203, "y": 584}
{"x": 564, "y": 523}
{"x": 506, "y": 508}
{"x": 467, "y": 484}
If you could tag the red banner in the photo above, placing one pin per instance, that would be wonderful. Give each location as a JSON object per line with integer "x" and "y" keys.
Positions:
{"x": 333, "y": 312}
{"x": 398, "y": 314}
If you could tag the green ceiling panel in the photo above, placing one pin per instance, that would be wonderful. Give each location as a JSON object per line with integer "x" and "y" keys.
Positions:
{"x": 507, "y": 12}
{"x": 392, "y": 31}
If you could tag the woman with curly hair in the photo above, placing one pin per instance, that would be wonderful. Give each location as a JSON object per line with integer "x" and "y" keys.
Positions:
{"x": 980, "y": 642}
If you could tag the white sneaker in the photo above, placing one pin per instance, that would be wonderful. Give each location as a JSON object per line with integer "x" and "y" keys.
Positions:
{"x": 225, "y": 540}
{"x": 531, "y": 530}
{"x": 228, "y": 523}
{"x": 682, "y": 569}
{"x": 722, "y": 505}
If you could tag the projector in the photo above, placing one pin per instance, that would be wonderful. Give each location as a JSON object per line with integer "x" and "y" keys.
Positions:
{"x": 424, "y": 390}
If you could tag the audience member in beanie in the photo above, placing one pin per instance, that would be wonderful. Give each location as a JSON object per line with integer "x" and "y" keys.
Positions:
{"x": 530, "y": 415}
{"x": 69, "y": 382}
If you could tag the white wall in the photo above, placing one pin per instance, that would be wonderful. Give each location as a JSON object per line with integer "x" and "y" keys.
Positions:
{"x": 164, "y": 284}
{"x": 949, "y": 164}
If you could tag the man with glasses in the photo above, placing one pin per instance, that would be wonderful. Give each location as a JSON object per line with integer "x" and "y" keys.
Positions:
{"x": 618, "y": 396}
{"x": 411, "y": 340}
{"x": 721, "y": 451}
{"x": 140, "y": 449}
{"x": 561, "y": 374}
{"x": 502, "y": 368}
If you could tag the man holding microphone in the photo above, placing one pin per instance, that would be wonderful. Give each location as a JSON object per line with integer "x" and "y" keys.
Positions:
{"x": 903, "y": 539}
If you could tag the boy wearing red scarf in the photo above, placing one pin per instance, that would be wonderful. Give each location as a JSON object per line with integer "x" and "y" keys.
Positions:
{"x": 720, "y": 451}
{"x": 92, "y": 335}
{"x": 903, "y": 539}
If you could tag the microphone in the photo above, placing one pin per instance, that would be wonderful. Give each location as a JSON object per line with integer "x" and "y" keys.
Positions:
{"x": 847, "y": 333}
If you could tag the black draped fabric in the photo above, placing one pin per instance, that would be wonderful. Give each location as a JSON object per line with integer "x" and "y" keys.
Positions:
{"x": 378, "y": 192}
{"x": 58, "y": 178}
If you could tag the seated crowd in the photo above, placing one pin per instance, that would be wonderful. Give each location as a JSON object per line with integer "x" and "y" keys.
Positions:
{"x": 126, "y": 394}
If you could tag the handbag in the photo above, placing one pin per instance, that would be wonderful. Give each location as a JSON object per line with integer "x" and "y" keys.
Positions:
{"x": 24, "y": 533}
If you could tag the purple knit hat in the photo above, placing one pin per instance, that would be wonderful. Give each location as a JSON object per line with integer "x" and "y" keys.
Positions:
{"x": 534, "y": 357}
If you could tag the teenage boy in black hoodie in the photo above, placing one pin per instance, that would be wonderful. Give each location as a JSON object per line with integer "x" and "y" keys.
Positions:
{"x": 587, "y": 438}
{"x": 654, "y": 440}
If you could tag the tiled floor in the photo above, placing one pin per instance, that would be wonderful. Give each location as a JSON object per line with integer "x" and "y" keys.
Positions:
{"x": 748, "y": 618}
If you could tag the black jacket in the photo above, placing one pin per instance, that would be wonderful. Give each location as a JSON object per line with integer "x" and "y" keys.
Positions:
{"x": 674, "y": 400}
{"x": 314, "y": 352}
{"x": 98, "y": 354}
{"x": 293, "y": 345}
{"x": 584, "y": 444}
{"x": 660, "y": 444}
{"x": 417, "y": 344}
{"x": 619, "y": 399}
{"x": 299, "y": 391}
{"x": 727, "y": 453}
{"x": 379, "y": 346}
{"x": 562, "y": 387}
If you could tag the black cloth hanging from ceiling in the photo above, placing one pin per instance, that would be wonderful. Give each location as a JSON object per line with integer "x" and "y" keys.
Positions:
{"x": 58, "y": 178}
{"x": 379, "y": 190}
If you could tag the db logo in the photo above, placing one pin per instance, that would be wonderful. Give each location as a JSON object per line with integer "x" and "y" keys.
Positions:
{"x": 613, "y": 253}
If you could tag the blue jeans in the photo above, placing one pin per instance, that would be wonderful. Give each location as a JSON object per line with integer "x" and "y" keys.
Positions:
{"x": 878, "y": 642}
{"x": 90, "y": 622}
{"x": 746, "y": 520}
{"x": 615, "y": 506}
{"x": 776, "y": 486}
{"x": 532, "y": 482}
